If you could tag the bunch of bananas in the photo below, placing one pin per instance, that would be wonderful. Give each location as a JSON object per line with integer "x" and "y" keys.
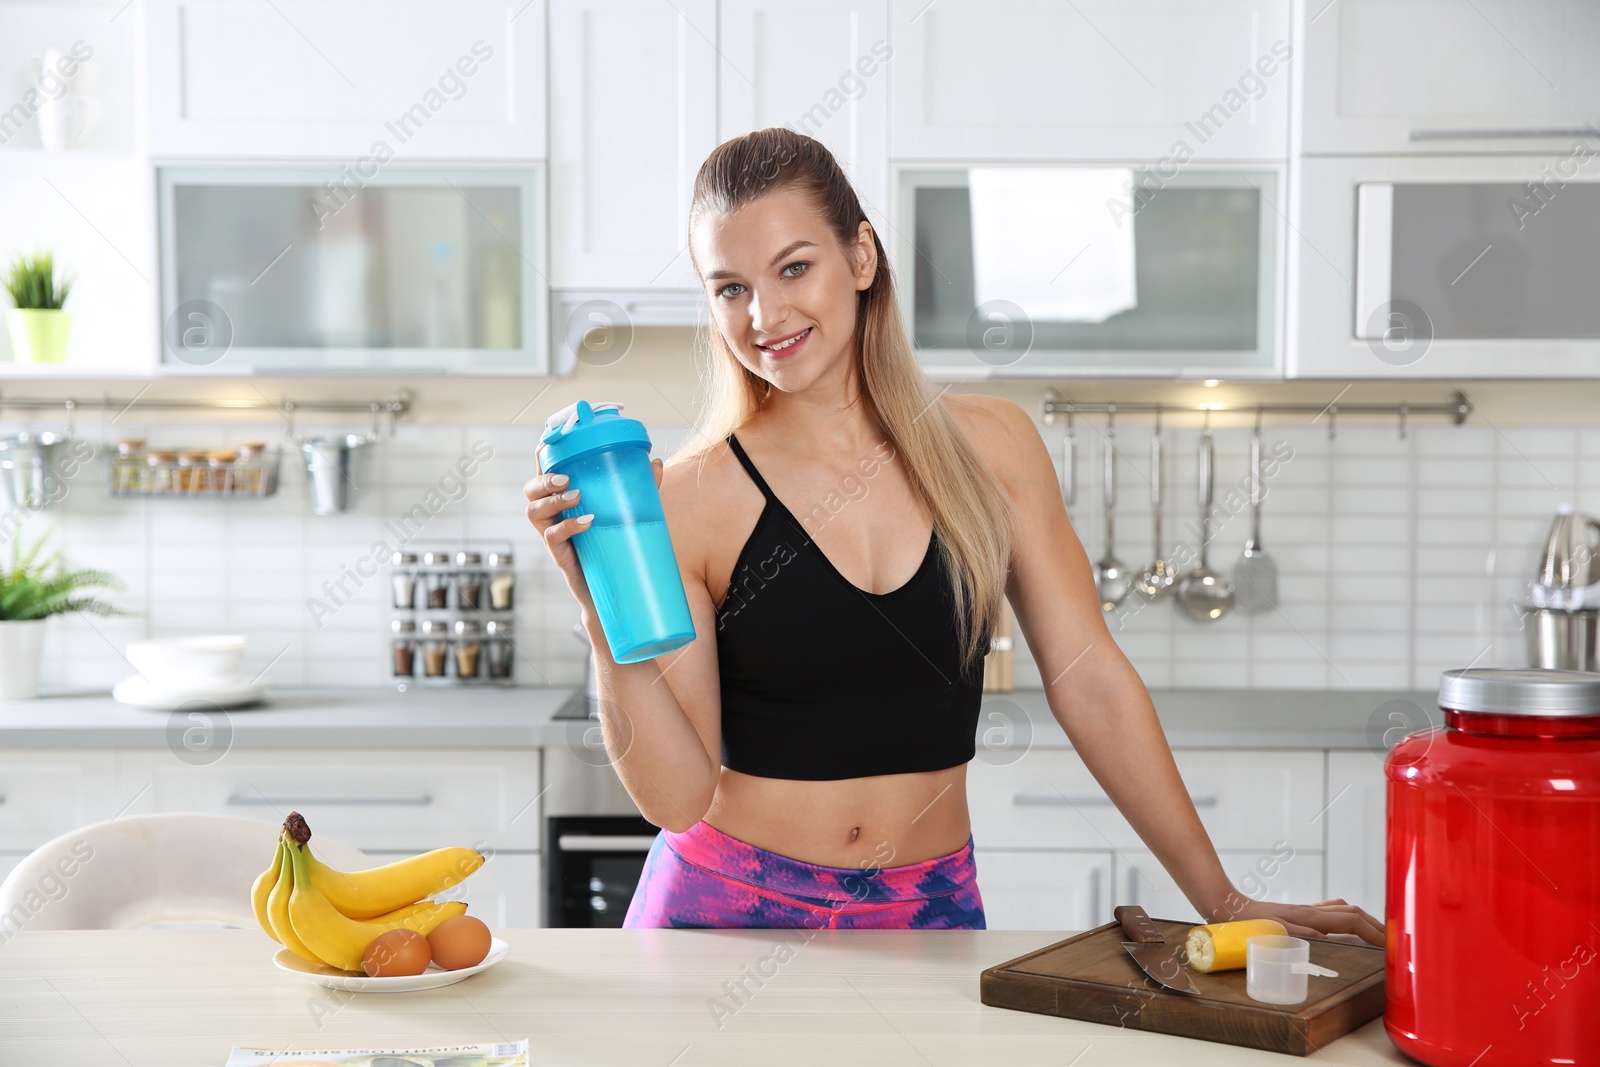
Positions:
{"x": 330, "y": 917}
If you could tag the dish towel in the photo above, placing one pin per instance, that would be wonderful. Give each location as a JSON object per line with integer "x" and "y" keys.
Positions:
{"x": 1030, "y": 223}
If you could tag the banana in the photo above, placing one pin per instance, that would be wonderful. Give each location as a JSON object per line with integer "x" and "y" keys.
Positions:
{"x": 1223, "y": 946}
{"x": 337, "y": 939}
{"x": 263, "y": 887}
{"x": 278, "y": 909}
{"x": 410, "y": 909}
{"x": 377, "y": 891}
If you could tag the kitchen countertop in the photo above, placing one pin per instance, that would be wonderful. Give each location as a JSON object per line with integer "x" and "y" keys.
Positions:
{"x": 183, "y": 998}
{"x": 521, "y": 718}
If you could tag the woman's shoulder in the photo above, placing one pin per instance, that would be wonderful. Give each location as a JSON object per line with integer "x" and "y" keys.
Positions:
{"x": 699, "y": 488}
{"x": 998, "y": 428}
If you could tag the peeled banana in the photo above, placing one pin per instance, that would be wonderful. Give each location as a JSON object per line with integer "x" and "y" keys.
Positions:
{"x": 379, "y": 890}
{"x": 1222, "y": 946}
{"x": 335, "y": 938}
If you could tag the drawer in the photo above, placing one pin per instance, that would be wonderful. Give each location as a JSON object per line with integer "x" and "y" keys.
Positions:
{"x": 507, "y": 891}
{"x": 1247, "y": 799}
{"x": 46, "y": 792}
{"x": 406, "y": 800}
{"x": 1287, "y": 875}
{"x": 1025, "y": 890}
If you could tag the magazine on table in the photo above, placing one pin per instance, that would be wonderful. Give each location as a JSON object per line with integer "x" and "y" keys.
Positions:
{"x": 488, "y": 1054}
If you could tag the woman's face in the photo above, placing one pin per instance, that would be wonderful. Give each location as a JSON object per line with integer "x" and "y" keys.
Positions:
{"x": 782, "y": 289}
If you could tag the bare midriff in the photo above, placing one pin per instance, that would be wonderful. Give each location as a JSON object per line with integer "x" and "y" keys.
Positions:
{"x": 886, "y": 820}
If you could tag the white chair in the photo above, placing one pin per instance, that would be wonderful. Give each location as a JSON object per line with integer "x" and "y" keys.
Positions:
{"x": 146, "y": 870}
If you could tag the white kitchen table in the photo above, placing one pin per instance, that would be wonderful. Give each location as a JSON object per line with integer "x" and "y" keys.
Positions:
{"x": 182, "y": 998}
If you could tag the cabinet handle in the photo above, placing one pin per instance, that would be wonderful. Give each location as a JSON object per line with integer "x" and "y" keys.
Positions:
{"x": 414, "y": 800}
{"x": 605, "y": 842}
{"x": 1133, "y": 884}
{"x": 1089, "y": 800}
{"x": 1094, "y": 897}
{"x": 1518, "y": 133}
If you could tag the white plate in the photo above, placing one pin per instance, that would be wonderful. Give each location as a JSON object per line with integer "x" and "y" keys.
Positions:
{"x": 230, "y": 693}
{"x": 432, "y": 978}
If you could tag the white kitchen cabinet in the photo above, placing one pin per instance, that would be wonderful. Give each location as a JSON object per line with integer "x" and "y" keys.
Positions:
{"x": 633, "y": 114}
{"x": 1095, "y": 79}
{"x": 507, "y": 891}
{"x": 1357, "y": 824}
{"x": 372, "y": 799}
{"x": 1277, "y": 873}
{"x": 46, "y": 792}
{"x": 1248, "y": 799}
{"x": 1043, "y": 890}
{"x": 1392, "y": 76}
{"x": 839, "y": 94}
{"x": 317, "y": 79}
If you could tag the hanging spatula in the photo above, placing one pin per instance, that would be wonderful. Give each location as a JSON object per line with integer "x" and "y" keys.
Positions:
{"x": 1255, "y": 576}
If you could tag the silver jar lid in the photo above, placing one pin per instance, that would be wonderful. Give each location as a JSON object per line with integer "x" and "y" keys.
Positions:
{"x": 500, "y": 559}
{"x": 468, "y": 628}
{"x": 404, "y": 626}
{"x": 436, "y": 559}
{"x": 435, "y": 626}
{"x": 498, "y": 628}
{"x": 1520, "y": 691}
{"x": 468, "y": 559}
{"x": 402, "y": 559}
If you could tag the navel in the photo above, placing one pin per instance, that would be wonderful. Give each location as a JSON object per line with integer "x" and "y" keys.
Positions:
{"x": 855, "y": 832}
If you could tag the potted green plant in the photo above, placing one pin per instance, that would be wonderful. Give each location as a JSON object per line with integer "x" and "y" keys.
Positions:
{"x": 38, "y": 325}
{"x": 32, "y": 590}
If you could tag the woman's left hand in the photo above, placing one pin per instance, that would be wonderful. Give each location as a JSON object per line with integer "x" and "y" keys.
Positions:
{"x": 1317, "y": 920}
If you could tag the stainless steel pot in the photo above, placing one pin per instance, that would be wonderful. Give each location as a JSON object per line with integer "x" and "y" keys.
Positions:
{"x": 1562, "y": 640}
{"x": 28, "y": 471}
{"x": 334, "y": 469}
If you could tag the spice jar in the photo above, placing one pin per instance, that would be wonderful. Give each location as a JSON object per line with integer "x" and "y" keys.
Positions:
{"x": 468, "y": 643}
{"x": 404, "y": 648}
{"x": 403, "y": 580}
{"x": 248, "y": 467}
{"x": 159, "y": 470}
{"x": 435, "y": 647}
{"x": 469, "y": 580}
{"x": 502, "y": 580}
{"x": 219, "y": 466}
{"x": 1493, "y": 872}
{"x": 498, "y": 647}
{"x": 436, "y": 579}
{"x": 127, "y": 466}
{"x": 191, "y": 475}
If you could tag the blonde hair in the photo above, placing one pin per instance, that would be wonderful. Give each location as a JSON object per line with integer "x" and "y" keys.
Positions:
{"x": 972, "y": 513}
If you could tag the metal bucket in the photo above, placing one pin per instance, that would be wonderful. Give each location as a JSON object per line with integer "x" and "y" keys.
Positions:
{"x": 1562, "y": 640}
{"x": 28, "y": 471}
{"x": 333, "y": 470}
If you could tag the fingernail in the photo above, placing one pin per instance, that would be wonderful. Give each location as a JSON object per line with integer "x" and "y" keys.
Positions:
{"x": 570, "y": 494}
{"x": 585, "y": 519}
{"x": 558, "y": 480}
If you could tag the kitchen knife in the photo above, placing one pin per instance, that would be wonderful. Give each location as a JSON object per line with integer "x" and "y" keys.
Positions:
{"x": 1157, "y": 958}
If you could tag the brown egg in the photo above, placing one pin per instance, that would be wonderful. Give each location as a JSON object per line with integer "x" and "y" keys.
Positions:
{"x": 459, "y": 942}
{"x": 395, "y": 953}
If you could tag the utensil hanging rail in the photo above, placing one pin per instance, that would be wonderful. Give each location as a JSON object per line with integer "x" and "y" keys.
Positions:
{"x": 396, "y": 407}
{"x": 1457, "y": 408}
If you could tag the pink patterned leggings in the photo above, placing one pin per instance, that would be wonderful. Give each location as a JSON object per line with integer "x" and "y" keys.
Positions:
{"x": 705, "y": 878}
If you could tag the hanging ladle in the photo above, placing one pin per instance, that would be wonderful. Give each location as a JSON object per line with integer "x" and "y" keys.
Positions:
{"x": 1159, "y": 578}
{"x": 1111, "y": 576}
{"x": 1203, "y": 595}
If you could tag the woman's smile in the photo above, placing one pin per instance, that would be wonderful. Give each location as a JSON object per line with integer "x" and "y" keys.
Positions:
{"x": 786, "y": 346}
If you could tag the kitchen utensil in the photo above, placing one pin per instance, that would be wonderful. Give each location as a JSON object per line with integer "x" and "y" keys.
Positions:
{"x": 432, "y": 978}
{"x": 333, "y": 470}
{"x": 1149, "y": 948}
{"x": 1569, "y": 553}
{"x": 28, "y": 470}
{"x": 626, "y": 552}
{"x": 1111, "y": 575}
{"x": 1158, "y": 578}
{"x": 1255, "y": 575}
{"x": 1493, "y": 880}
{"x": 1203, "y": 595}
{"x": 1561, "y": 640}
{"x": 1090, "y": 976}
{"x": 1277, "y": 969}
{"x": 1069, "y": 466}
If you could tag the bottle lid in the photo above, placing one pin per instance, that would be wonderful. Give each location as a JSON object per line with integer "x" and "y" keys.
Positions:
{"x": 498, "y": 628}
{"x": 403, "y": 626}
{"x": 468, "y": 627}
{"x": 401, "y": 559}
{"x": 500, "y": 559}
{"x": 435, "y": 626}
{"x": 468, "y": 559}
{"x": 1520, "y": 691}
{"x": 583, "y": 427}
{"x": 435, "y": 559}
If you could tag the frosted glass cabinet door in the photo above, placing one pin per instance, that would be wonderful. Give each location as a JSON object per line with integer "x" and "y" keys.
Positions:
{"x": 279, "y": 268}
{"x": 633, "y": 114}
{"x": 839, "y": 95}
{"x": 1091, "y": 79}
{"x": 1421, "y": 76}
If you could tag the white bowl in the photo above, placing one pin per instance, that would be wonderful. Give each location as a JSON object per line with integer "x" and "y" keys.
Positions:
{"x": 187, "y": 659}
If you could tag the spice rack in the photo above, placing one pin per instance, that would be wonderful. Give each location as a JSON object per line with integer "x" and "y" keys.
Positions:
{"x": 452, "y": 623}
{"x": 249, "y": 470}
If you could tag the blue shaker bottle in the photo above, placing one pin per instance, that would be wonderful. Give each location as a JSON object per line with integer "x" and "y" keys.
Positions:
{"x": 626, "y": 555}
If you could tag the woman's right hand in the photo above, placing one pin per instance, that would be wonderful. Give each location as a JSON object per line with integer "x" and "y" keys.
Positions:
{"x": 548, "y": 496}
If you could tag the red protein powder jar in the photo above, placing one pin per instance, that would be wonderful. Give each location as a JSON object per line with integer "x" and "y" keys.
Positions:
{"x": 1493, "y": 879}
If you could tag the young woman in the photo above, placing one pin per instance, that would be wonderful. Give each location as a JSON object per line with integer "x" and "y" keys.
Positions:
{"x": 846, "y": 534}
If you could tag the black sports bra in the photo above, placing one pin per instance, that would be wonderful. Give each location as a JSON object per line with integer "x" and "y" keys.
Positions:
{"x": 823, "y": 680}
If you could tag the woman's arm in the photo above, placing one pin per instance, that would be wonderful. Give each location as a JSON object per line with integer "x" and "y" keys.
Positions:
{"x": 1098, "y": 697}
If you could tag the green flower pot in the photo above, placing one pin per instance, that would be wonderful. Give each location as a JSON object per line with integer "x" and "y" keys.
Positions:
{"x": 39, "y": 335}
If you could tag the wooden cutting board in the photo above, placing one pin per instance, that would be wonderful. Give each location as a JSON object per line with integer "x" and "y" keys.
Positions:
{"x": 1092, "y": 977}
